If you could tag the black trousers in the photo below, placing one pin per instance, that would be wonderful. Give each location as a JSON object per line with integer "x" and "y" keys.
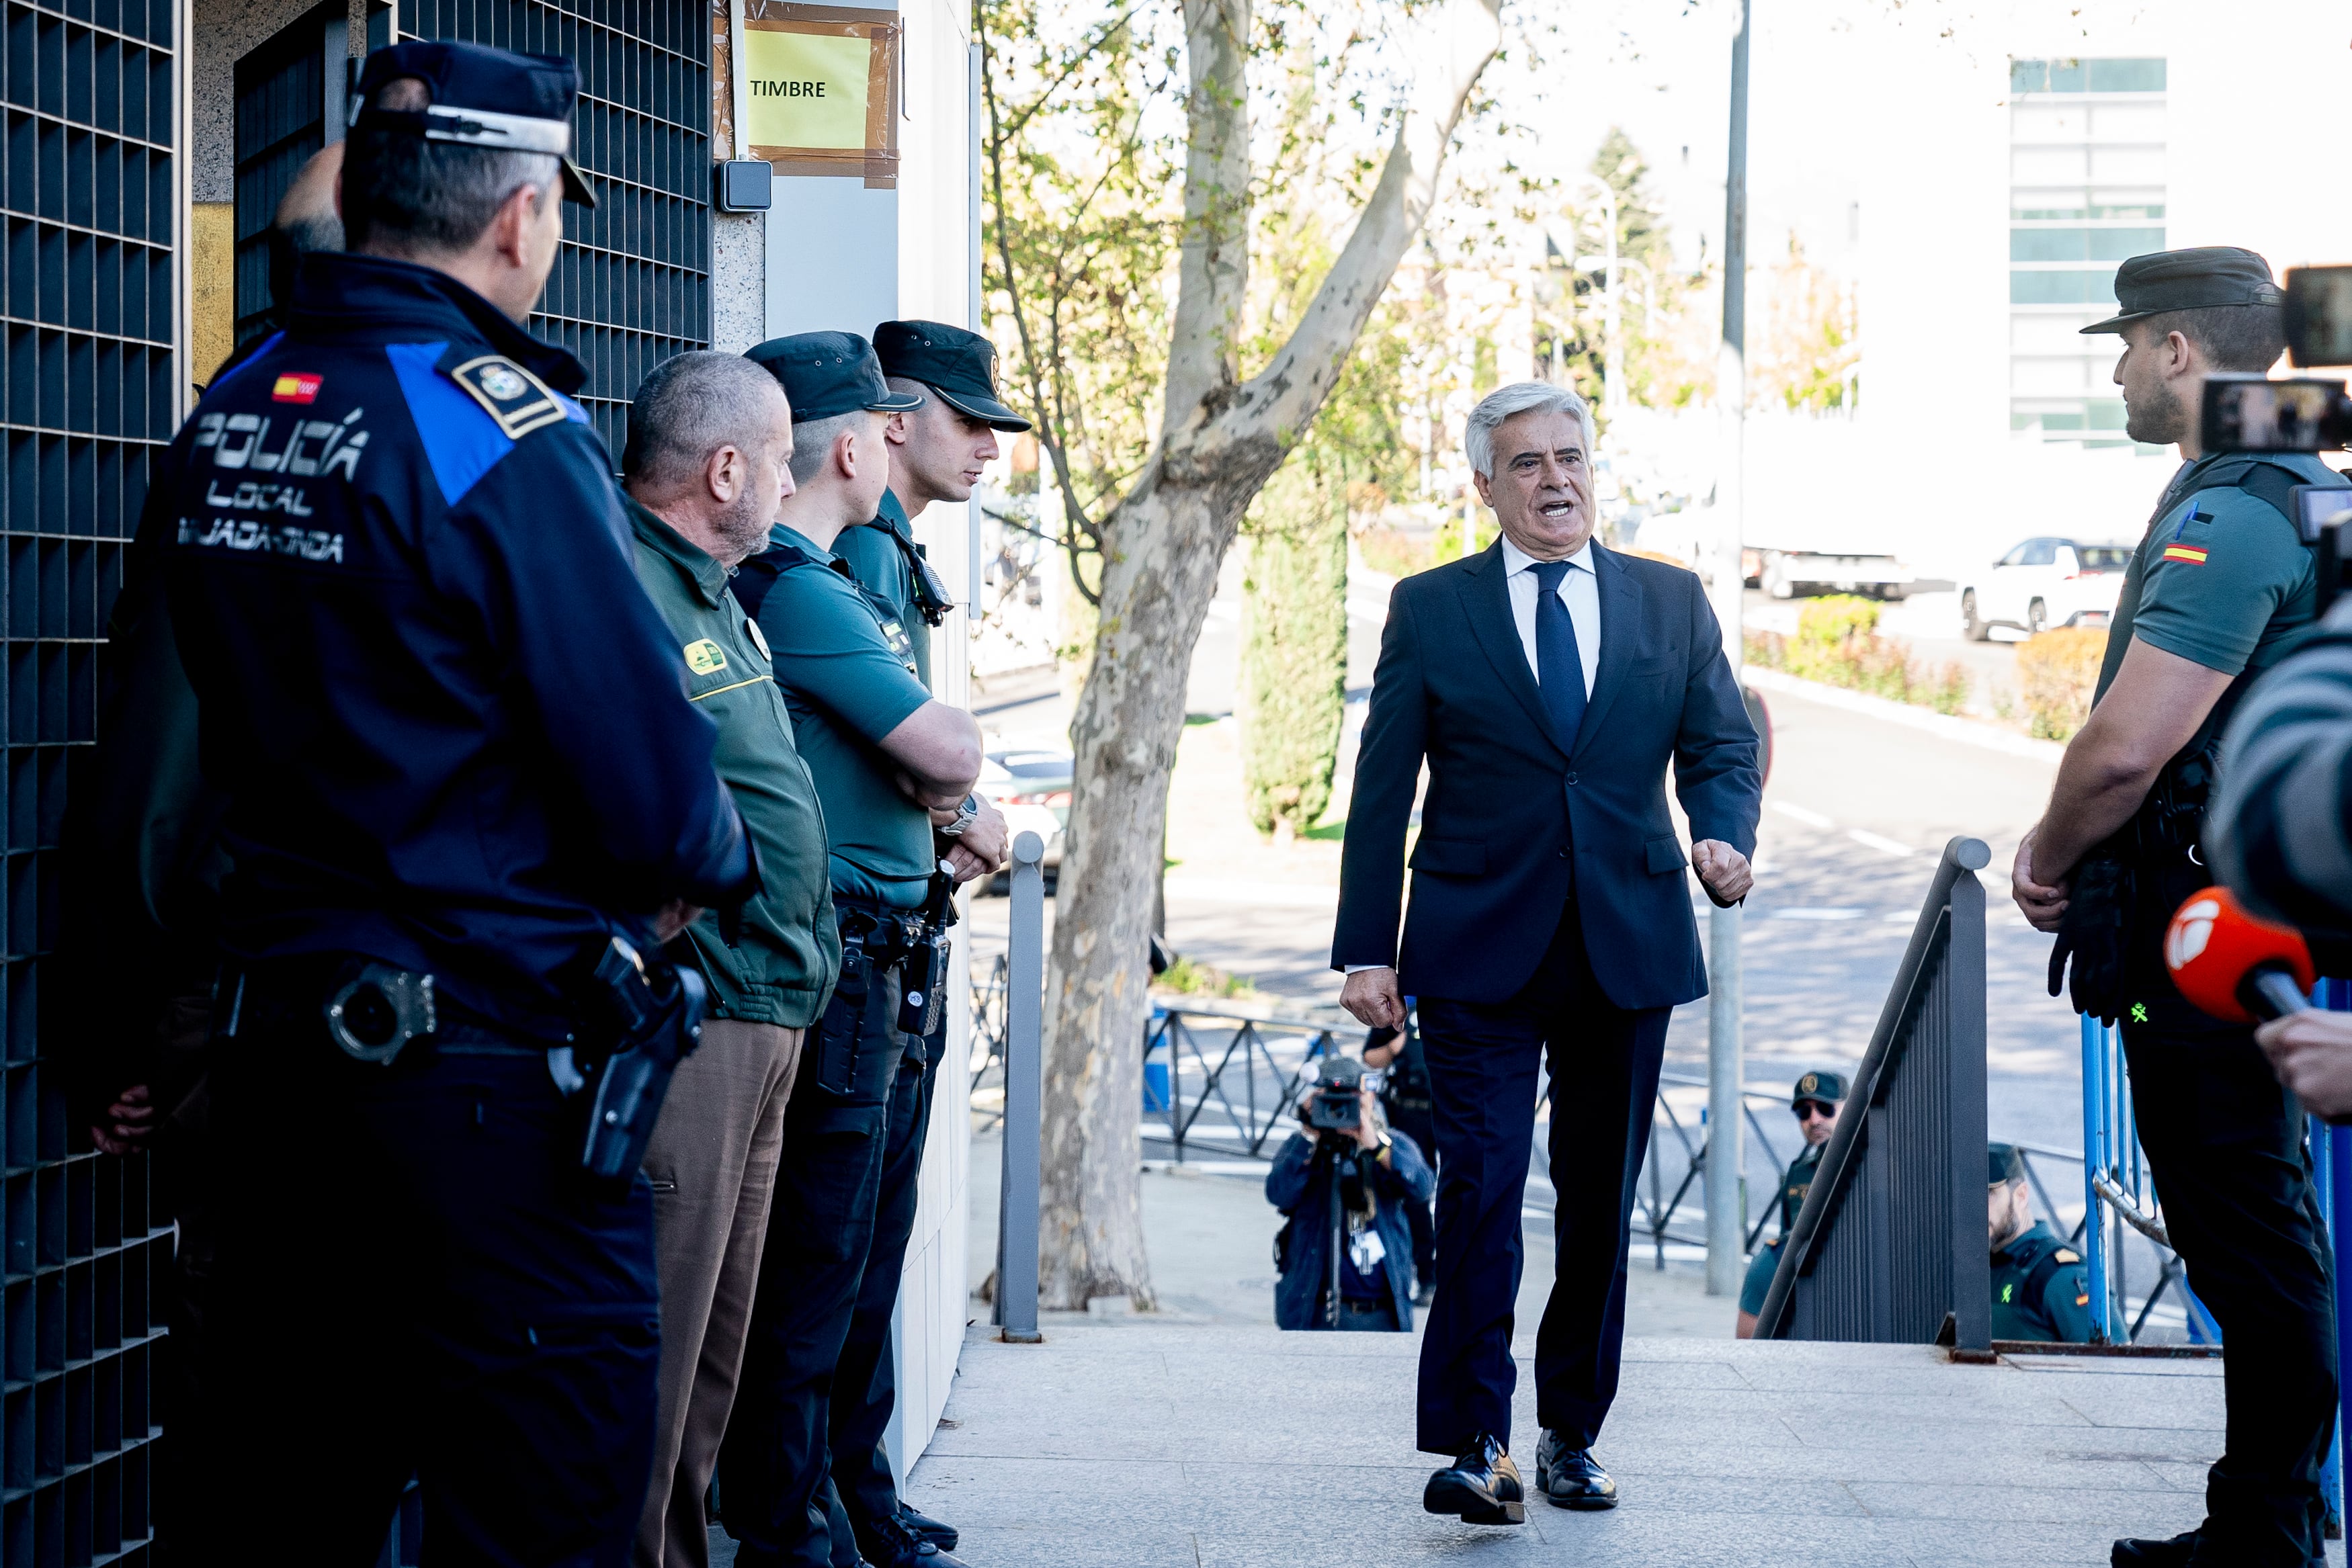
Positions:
{"x": 2225, "y": 1142}
{"x": 412, "y": 1280}
{"x": 865, "y": 1384}
{"x": 1482, "y": 1058}
{"x": 773, "y": 1465}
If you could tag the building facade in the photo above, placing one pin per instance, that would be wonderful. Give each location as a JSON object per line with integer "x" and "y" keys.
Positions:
{"x": 149, "y": 141}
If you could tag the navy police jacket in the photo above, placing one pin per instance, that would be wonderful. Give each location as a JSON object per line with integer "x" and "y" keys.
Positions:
{"x": 453, "y": 731}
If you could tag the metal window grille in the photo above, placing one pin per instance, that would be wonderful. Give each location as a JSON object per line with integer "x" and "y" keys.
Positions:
{"x": 88, "y": 393}
{"x": 632, "y": 286}
{"x": 282, "y": 92}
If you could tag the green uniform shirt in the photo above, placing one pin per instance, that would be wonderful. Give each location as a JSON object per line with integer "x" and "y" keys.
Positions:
{"x": 2220, "y": 580}
{"x": 876, "y": 554}
{"x": 847, "y": 669}
{"x": 2041, "y": 1291}
{"x": 1793, "y": 1188}
{"x": 789, "y": 952}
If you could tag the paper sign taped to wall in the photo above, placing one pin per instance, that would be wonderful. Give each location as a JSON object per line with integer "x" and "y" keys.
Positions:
{"x": 821, "y": 89}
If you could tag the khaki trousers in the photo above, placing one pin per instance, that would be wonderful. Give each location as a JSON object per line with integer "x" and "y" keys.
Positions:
{"x": 712, "y": 1163}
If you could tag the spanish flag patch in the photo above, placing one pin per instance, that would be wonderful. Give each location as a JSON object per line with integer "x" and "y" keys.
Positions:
{"x": 2192, "y": 554}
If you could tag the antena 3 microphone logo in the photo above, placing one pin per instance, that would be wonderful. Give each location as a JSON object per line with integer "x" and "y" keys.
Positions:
{"x": 2191, "y": 928}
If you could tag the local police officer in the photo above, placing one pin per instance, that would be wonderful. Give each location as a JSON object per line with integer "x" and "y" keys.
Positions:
{"x": 2214, "y": 592}
{"x": 2040, "y": 1289}
{"x": 892, "y": 768}
{"x": 1814, "y": 1103}
{"x": 466, "y": 798}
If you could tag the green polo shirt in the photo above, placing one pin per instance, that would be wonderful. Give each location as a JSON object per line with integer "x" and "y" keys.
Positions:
{"x": 876, "y": 554}
{"x": 788, "y": 952}
{"x": 2221, "y": 579}
{"x": 847, "y": 669}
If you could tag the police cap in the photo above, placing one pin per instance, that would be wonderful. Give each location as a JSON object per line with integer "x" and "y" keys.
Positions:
{"x": 1827, "y": 1086}
{"x": 479, "y": 97}
{"x": 959, "y": 365}
{"x": 2004, "y": 1164}
{"x": 2196, "y": 279}
{"x": 827, "y": 374}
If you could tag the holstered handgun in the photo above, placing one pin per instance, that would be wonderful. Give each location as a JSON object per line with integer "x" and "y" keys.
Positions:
{"x": 646, "y": 1015}
{"x": 923, "y": 975}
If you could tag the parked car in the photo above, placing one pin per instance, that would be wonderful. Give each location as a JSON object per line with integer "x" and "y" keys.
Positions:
{"x": 2044, "y": 582}
{"x": 1032, "y": 789}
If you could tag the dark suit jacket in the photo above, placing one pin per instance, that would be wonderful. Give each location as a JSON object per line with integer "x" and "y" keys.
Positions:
{"x": 1517, "y": 818}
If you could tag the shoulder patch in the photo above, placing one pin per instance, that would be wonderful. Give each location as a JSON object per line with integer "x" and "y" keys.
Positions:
{"x": 517, "y": 399}
{"x": 705, "y": 657}
{"x": 2067, "y": 1255}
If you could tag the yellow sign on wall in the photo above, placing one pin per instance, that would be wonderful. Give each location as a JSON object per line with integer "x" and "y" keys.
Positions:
{"x": 821, "y": 89}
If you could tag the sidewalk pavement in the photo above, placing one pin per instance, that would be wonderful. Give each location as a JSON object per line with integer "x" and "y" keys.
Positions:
{"x": 1156, "y": 1446}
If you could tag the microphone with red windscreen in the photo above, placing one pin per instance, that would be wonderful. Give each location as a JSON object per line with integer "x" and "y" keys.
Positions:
{"x": 2233, "y": 964}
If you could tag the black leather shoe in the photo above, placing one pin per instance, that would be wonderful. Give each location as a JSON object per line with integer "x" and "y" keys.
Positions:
{"x": 890, "y": 1543}
{"x": 2172, "y": 1553}
{"x": 1569, "y": 1479}
{"x": 1482, "y": 1486}
{"x": 939, "y": 1534}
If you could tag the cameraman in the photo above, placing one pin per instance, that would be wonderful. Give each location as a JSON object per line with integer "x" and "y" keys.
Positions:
{"x": 1345, "y": 1178}
{"x": 2215, "y": 589}
{"x": 2280, "y": 836}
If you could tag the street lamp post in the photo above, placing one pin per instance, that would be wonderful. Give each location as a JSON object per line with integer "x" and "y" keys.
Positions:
{"x": 1726, "y": 1146}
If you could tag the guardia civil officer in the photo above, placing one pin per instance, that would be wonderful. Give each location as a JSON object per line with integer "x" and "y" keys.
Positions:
{"x": 2041, "y": 1291}
{"x": 937, "y": 452}
{"x": 892, "y": 765}
{"x": 459, "y": 768}
{"x": 1814, "y": 1103}
{"x": 2214, "y": 594}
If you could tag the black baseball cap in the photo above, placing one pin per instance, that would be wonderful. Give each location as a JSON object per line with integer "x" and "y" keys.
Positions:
{"x": 2195, "y": 280}
{"x": 2005, "y": 1163}
{"x": 1829, "y": 1086}
{"x": 959, "y": 365}
{"x": 827, "y": 374}
{"x": 480, "y": 97}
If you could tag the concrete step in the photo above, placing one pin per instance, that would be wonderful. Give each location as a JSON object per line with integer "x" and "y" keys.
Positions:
{"x": 1150, "y": 1445}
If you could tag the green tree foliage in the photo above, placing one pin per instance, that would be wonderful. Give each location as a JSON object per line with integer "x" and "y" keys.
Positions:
{"x": 1295, "y": 642}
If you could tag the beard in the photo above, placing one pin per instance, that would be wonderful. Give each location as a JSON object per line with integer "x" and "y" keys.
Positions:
{"x": 744, "y": 524}
{"x": 2160, "y": 418}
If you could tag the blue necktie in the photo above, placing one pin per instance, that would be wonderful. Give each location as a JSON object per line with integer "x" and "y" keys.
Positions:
{"x": 1559, "y": 669}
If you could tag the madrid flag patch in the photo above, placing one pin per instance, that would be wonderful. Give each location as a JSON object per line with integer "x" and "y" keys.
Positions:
{"x": 297, "y": 388}
{"x": 2192, "y": 554}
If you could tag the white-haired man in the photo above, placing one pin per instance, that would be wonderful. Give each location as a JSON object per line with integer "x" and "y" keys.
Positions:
{"x": 1547, "y": 682}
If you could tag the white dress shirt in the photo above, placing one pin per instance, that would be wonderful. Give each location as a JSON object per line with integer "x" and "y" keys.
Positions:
{"x": 1579, "y": 590}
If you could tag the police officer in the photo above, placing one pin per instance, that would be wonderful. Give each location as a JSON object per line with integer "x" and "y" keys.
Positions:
{"x": 2039, "y": 1291}
{"x": 894, "y": 770}
{"x": 937, "y": 452}
{"x": 465, "y": 789}
{"x": 2214, "y": 594}
{"x": 709, "y": 436}
{"x": 1405, "y": 1096}
{"x": 1814, "y": 1103}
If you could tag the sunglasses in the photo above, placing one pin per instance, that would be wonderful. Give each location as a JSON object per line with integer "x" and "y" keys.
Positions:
{"x": 1806, "y": 1110}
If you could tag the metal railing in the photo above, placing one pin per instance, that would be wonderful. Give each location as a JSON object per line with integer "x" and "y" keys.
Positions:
{"x": 2119, "y": 1189}
{"x": 1023, "y": 1039}
{"x": 1889, "y": 1247}
{"x": 1253, "y": 1076}
{"x": 1654, "y": 1210}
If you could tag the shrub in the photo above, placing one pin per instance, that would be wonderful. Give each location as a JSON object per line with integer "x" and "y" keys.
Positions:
{"x": 1838, "y": 645}
{"x": 2059, "y": 670}
{"x": 1294, "y": 645}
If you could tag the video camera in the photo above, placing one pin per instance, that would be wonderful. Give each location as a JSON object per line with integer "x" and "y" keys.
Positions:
{"x": 2303, "y": 414}
{"x": 1336, "y": 1104}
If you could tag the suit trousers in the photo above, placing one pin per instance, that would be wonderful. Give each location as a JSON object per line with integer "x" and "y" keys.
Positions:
{"x": 712, "y": 1163}
{"x": 1482, "y": 1059}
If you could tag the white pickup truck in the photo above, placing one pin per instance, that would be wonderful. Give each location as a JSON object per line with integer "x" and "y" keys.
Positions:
{"x": 1787, "y": 573}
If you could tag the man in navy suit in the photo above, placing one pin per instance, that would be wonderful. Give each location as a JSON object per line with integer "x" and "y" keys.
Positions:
{"x": 1547, "y": 683}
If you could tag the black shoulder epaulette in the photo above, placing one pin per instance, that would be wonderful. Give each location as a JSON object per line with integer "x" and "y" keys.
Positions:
{"x": 518, "y": 400}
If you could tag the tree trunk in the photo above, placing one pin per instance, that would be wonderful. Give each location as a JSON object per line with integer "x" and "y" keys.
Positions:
{"x": 1221, "y": 438}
